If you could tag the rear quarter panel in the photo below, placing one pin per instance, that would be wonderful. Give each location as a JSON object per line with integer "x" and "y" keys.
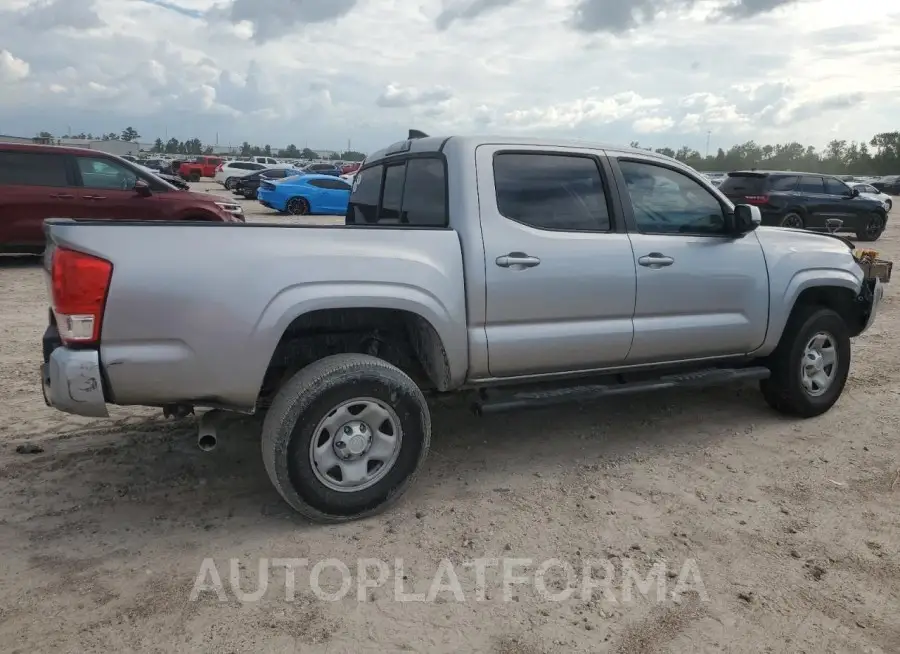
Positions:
{"x": 200, "y": 322}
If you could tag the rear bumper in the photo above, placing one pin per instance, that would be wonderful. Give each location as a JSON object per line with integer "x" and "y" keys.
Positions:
{"x": 72, "y": 382}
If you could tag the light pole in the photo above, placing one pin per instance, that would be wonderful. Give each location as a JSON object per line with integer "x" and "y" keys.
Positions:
{"x": 708, "y": 133}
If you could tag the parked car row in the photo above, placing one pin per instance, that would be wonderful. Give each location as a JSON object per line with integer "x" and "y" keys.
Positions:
{"x": 807, "y": 201}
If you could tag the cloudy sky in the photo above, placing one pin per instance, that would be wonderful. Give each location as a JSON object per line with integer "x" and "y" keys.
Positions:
{"x": 322, "y": 72}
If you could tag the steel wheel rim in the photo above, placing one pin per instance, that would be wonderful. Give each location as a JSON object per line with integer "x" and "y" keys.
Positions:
{"x": 818, "y": 366}
{"x": 874, "y": 226}
{"x": 792, "y": 220}
{"x": 350, "y": 439}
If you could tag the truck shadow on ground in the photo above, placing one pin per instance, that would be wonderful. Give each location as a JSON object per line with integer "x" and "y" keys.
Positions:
{"x": 13, "y": 261}
{"x": 151, "y": 480}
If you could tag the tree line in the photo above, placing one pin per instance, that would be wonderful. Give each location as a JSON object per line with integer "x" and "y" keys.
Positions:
{"x": 880, "y": 156}
{"x": 195, "y": 146}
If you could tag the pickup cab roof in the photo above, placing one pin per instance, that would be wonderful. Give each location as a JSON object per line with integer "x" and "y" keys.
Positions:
{"x": 426, "y": 144}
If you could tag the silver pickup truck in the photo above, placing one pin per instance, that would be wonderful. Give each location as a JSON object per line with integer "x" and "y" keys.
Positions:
{"x": 525, "y": 272}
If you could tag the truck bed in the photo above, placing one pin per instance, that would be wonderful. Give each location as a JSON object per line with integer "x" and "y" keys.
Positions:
{"x": 203, "y": 305}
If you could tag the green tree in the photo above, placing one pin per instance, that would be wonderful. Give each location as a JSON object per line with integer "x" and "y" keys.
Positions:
{"x": 308, "y": 154}
{"x": 352, "y": 155}
{"x": 267, "y": 150}
{"x": 172, "y": 146}
{"x": 245, "y": 149}
{"x": 130, "y": 134}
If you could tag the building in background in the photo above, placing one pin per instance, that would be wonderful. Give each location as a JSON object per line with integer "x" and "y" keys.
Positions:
{"x": 111, "y": 147}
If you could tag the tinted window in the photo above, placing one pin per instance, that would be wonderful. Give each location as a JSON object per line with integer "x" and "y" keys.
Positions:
{"x": 835, "y": 187}
{"x": 319, "y": 183}
{"x": 549, "y": 191}
{"x": 425, "y": 198}
{"x": 669, "y": 202}
{"x": 411, "y": 193}
{"x": 737, "y": 184}
{"x": 392, "y": 195}
{"x": 275, "y": 174}
{"x": 32, "y": 169}
{"x": 363, "y": 205}
{"x": 105, "y": 174}
{"x": 334, "y": 185}
{"x": 783, "y": 183}
{"x": 811, "y": 185}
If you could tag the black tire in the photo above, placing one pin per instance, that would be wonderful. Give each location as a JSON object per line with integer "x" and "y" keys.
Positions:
{"x": 297, "y": 207}
{"x": 875, "y": 224}
{"x": 784, "y": 390}
{"x": 194, "y": 177}
{"x": 794, "y": 220}
{"x": 229, "y": 184}
{"x": 309, "y": 397}
{"x": 888, "y": 205}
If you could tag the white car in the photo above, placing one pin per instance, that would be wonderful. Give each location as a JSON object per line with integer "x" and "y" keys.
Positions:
{"x": 229, "y": 172}
{"x": 871, "y": 193}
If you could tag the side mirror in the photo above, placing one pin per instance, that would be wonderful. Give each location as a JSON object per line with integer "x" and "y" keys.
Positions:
{"x": 746, "y": 218}
{"x": 854, "y": 193}
{"x": 142, "y": 188}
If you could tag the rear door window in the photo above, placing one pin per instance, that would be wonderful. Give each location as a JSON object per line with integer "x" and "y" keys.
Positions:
{"x": 551, "y": 191}
{"x": 33, "y": 169}
{"x": 811, "y": 184}
{"x": 736, "y": 184}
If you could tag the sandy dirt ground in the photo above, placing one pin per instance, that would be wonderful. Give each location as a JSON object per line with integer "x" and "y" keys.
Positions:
{"x": 792, "y": 526}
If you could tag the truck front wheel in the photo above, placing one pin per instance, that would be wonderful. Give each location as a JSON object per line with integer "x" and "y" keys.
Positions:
{"x": 345, "y": 437}
{"x": 810, "y": 365}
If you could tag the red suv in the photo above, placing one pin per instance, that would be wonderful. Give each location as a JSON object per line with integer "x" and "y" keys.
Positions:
{"x": 45, "y": 181}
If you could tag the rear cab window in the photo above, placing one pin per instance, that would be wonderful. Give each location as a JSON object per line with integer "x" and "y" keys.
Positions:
{"x": 410, "y": 192}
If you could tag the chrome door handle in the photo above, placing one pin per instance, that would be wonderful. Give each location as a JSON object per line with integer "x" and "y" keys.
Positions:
{"x": 93, "y": 197}
{"x": 517, "y": 261}
{"x": 656, "y": 260}
{"x": 62, "y": 196}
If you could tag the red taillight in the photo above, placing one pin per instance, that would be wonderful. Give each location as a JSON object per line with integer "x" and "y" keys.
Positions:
{"x": 219, "y": 168}
{"x": 756, "y": 199}
{"x": 79, "y": 285}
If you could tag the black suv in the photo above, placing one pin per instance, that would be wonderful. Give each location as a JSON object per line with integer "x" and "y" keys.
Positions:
{"x": 249, "y": 185}
{"x": 807, "y": 201}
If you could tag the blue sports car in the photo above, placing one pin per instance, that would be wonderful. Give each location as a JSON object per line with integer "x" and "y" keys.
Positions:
{"x": 302, "y": 195}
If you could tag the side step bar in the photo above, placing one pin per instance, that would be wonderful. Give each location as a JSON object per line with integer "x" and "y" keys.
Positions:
{"x": 499, "y": 401}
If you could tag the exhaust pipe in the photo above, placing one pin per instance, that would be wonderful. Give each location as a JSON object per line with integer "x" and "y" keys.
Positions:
{"x": 207, "y": 442}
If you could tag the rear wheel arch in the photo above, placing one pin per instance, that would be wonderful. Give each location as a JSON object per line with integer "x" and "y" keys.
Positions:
{"x": 401, "y": 337}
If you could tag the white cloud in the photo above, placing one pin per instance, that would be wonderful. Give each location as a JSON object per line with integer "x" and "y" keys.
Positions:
{"x": 653, "y": 124}
{"x": 396, "y": 95}
{"x": 12, "y": 69}
{"x": 318, "y": 74}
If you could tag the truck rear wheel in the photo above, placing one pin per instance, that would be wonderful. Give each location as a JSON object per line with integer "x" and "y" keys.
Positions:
{"x": 345, "y": 437}
{"x": 194, "y": 177}
{"x": 810, "y": 365}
